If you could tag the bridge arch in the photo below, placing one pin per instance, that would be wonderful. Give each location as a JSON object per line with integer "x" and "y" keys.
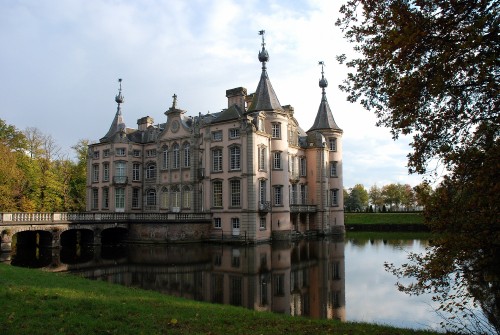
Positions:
{"x": 114, "y": 235}
{"x": 72, "y": 237}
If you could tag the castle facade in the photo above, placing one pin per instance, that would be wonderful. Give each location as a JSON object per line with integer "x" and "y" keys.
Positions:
{"x": 250, "y": 166}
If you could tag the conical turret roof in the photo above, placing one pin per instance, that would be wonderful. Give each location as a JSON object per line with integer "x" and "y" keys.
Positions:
{"x": 265, "y": 98}
{"x": 324, "y": 118}
{"x": 118, "y": 123}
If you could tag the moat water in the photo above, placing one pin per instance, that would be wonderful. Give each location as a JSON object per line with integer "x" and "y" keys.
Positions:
{"x": 328, "y": 278}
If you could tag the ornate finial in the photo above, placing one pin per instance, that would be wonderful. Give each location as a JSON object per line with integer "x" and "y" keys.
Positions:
{"x": 174, "y": 102}
{"x": 323, "y": 83}
{"x": 119, "y": 98}
{"x": 263, "y": 55}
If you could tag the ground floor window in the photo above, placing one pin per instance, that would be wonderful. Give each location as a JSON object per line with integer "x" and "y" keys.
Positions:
{"x": 262, "y": 225}
{"x": 217, "y": 223}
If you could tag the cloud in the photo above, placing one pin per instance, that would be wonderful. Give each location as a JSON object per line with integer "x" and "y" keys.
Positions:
{"x": 62, "y": 61}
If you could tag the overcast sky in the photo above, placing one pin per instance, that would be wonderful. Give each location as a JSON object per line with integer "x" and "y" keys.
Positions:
{"x": 61, "y": 60}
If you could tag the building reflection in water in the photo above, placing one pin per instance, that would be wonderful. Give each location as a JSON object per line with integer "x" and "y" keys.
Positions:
{"x": 304, "y": 278}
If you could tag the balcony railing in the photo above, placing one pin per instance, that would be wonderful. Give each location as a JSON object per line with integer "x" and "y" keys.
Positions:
{"x": 264, "y": 206}
{"x": 120, "y": 180}
{"x": 303, "y": 208}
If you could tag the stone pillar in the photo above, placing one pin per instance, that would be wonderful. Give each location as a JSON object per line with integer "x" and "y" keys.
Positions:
{"x": 5, "y": 241}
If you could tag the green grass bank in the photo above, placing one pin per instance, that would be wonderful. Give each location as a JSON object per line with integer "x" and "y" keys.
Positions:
{"x": 384, "y": 218}
{"x": 38, "y": 302}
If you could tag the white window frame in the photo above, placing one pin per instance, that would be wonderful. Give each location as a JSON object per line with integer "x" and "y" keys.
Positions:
{"x": 234, "y": 158}
{"x": 276, "y": 130}
{"x": 217, "y": 196}
{"x": 217, "y": 136}
{"x": 235, "y": 192}
{"x": 277, "y": 164}
{"x": 187, "y": 154}
{"x": 217, "y": 160}
{"x": 136, "y": 172}
{"x": 95, "y": 173}
{"x": 332, "y": 143}
{"x": 105, "y": 172}
{"x": 333, "y": 169}
{"x": 278, "y": 195}
{"x": 120, "y": 152}
{"x": 217, "y": 223}
{"x": 234, "y": 133}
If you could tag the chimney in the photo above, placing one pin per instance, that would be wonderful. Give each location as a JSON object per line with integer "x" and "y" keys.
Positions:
{"x": 144, "y": 122}
{"x": 236, "y": 96}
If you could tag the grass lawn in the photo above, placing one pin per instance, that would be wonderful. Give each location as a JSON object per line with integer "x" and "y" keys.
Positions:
{"x": 383, "y": 218}
{"x": 38, "y": 302}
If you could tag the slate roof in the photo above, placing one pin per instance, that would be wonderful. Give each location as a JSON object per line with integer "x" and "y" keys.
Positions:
{"x": 265, "y": 98}
{"x": 324, "y": 117}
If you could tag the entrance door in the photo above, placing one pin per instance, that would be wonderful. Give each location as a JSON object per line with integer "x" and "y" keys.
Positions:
{"x": 236, "y": 226}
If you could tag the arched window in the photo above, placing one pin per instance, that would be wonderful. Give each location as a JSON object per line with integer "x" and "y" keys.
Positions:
{"x": 151, "y": 197}
{"x": 151, "y": 171}
{"x": 176, "y": 156}
{"x": 164, "y": 156}
{"x": 175, "y": 199}
{"x": 187, "y": 155}
{"x": 186, "y": 197}
{"x": 164, "y": 202}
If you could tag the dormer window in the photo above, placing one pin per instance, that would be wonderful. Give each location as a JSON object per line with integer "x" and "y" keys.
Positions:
{"x": 120, "y": 152}
{"x": 217, "y": 135}
{"x": 234, "y": 133}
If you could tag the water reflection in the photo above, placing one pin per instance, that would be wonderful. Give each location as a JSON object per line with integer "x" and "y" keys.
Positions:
{"x": 307, "y": 278}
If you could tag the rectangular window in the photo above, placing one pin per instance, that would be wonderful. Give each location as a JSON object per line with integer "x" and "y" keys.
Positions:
{"x": 278, "y": 195}
{"x": 276, "y": 130}
{"x": 303, "y": 167}
{"x": 136, "y": 153}
{"x": 332, "y": 143}
{"x": 262, "y": 158}
{"x": 105, "y": 153}
{"x": 105, "y": 197}
{"x": 235, "y": 161}
{"x": 217, "y": 136}
{"x": 96, "y": 155}
{"x": 95, "y": 198}
{"x": 164, "y": 163}
{"x": 262, "y": 191}
{"x": 217, "y": 193}
{"x": 234, "y": 133}
{"x": 260, "y": 124}
{"x": 136, "y": 172}
{"x": 235, "y": 193}
{"x": 333, "y": 169}
{"x": 262, "y": 224}
{"x": 135, "y": 198}
{"x": 293, "y": 194}
{"x": 120, "y": 152}
{"x": 217, "y": 223}
{"x": 277, "y": 160}
{"x": 95, "y": 173}
{"x": 151, "y": 153}
{"x": 303, "y": 194}
{"x": 105, "y": 172}
{"x": 217, "y": 160}
{"x": 187, "y": 155}
{"x": 176, "y": 157}
{"x": 334, "y": 197}
{"x": 119, "y": 198}
{"x": 279, "y": 284}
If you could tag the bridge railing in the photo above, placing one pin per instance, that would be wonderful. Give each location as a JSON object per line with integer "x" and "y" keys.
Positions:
{"x": 41, "y": 217}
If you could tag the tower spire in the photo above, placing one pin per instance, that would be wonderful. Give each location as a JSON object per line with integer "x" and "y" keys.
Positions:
{"x": 265, "y": 98}
{"x": 324, "y": 118}
{"x": 263, "y": 55}
{"x": 118, "y": 125}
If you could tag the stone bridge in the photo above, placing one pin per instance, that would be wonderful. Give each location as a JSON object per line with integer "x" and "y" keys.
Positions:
{"x": 59, "y": 229}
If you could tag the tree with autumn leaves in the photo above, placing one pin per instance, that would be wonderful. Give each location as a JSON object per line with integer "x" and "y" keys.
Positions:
{"x": 430, "y": 69}
{"x": 35, "y": 177}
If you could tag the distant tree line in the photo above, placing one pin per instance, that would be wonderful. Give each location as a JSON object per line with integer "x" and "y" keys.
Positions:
{"x": 392, "y": 197}
{"x": 35, "y": 176}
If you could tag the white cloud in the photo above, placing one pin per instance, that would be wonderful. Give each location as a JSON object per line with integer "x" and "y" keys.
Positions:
{"x": 62, "y": 61}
